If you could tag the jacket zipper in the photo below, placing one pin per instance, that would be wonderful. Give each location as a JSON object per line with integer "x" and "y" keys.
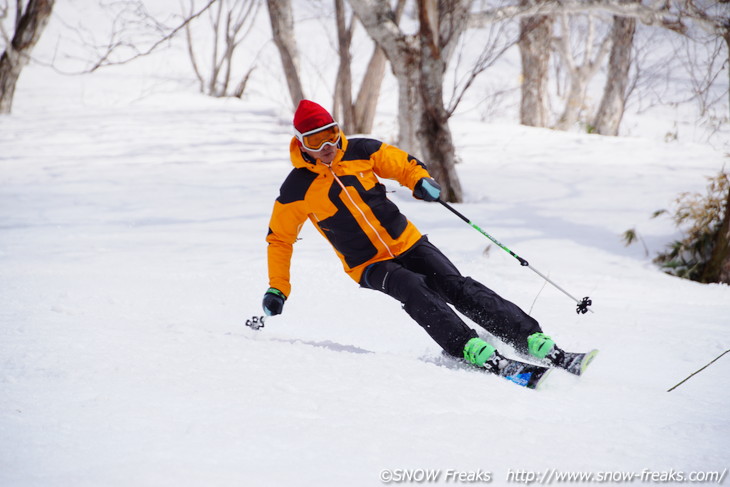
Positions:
{"x": 344, "y": 190}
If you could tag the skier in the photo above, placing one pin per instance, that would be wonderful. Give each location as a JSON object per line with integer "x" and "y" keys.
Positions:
{"x": 335, "y": 185}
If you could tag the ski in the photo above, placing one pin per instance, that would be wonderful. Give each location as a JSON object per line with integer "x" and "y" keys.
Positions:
{"x": 523, "y": 374}
{"x": 575, "y": 363}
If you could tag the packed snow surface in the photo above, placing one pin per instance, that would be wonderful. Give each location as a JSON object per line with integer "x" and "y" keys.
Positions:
{"x": 132, "y": 253}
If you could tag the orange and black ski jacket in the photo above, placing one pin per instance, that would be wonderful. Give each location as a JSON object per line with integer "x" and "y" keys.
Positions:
{"x": 347, "y": 204}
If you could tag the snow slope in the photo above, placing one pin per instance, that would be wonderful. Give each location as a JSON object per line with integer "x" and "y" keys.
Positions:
{"x": 132, "y": 252}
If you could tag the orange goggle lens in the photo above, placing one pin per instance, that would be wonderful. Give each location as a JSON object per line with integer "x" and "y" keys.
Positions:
{"x": 316, "y": 139}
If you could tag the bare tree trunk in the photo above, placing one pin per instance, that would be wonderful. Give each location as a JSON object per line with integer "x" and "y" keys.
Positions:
{"x": 367, "y": 97}
{"x": 535, "y": 33}
{"x": 726, "y": 36}
{"x": 418, "y": 63}
{"x": 343, "y": 87}
{"x": 409, "y": 102}
{"x": 240, "y": 16}
{"x": 433, "y": 130}
{"x": 191, "y": 55}
{"x": 214, "y": 66}
{"x": 611, "y": 111}
{"x": 718, "y": 267}
{"x": 578, "y": 74}
{"x": 282, "y": 27}
{"x": 28, "y": 29}
{"x": 378, "y": 19}
{"x": 573, "y": 104}
{"x": 438, "y": 149}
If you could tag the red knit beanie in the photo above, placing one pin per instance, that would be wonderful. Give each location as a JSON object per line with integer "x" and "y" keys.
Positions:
{"x": 310, "y": 116}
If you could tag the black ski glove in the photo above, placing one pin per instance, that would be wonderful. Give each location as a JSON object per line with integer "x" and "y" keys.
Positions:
{"x": 273, "y": 302}
{"x": 427, "y": 189}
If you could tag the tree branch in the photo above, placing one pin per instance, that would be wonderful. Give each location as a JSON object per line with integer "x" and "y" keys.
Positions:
{"x": 665, "y": 14}
{"x": 105, "y": 58}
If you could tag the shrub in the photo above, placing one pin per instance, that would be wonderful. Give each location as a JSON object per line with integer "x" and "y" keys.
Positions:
{"x": 702, "y": 220}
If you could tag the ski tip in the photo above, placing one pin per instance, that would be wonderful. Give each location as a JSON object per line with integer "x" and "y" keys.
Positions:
{"x": 587, "y": 360}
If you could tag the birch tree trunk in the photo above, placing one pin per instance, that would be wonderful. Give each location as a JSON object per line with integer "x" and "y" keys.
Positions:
{"x": 675, "y": 15}
{"x": 28, "y": 29}
{"x": 726, "y": 36}
{"x": 611, "y": 111}
{"x": 367, "y": 98}
{"x": 403, "y": 53}
{"x": 409, "y": 101}
{"x": 343, "y": 109}
{"x": 579, "y": 75}
{"x": 282, "y": 27}
{"x": 418, "y": 63}
{"x": 535, "y": 34}
{"x": 433, "y": 130}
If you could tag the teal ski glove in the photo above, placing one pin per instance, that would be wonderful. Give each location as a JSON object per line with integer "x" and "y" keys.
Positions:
{"x": 273, "y": 302}
{"x": 427, "y": 190}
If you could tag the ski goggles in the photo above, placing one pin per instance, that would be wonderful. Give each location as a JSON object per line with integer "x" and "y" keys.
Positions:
{"x": 316, "y": 139}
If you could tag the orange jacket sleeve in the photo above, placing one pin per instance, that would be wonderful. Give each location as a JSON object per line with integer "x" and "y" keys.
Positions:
{"x": 286, "y": 222}
{"x": 393, "y": 163}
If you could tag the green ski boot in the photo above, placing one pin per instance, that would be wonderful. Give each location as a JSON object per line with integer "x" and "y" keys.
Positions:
{"x": 543, "y": 347}
{"x": 483, "y": 355}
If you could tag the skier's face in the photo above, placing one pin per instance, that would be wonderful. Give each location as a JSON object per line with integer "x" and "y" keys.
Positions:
{"x": 326, "y": 154}
{"x": 321, "y": 143}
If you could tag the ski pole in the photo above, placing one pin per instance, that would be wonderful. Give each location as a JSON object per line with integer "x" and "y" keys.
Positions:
{"x": 255, "y": 322}
{"x": 583, "y": 304}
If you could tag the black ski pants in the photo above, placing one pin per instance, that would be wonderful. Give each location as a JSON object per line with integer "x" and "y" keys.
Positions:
{"x": 425, "y": 281}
